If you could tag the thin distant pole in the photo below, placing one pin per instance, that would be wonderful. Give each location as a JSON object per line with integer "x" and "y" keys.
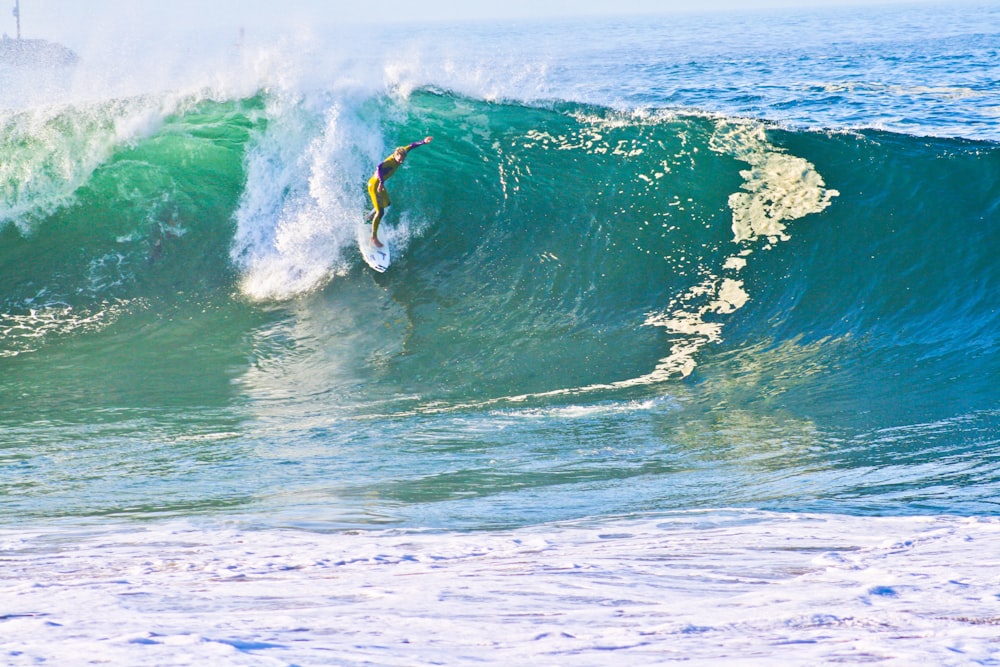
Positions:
{"x": 17, "y": 15}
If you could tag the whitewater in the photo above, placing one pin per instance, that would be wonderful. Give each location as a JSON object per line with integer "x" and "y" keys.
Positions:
{"x": 688, "y": 352}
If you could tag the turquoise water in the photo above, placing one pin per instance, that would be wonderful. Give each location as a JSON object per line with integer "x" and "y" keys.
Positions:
{"x": 637, "y": 273}
{"x": 515, "y": 332}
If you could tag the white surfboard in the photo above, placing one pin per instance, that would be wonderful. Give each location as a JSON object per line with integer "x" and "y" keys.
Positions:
{"x": 375, "y": 257}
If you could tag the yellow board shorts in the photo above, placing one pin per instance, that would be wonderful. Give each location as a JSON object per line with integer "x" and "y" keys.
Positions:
{"x": 380, "y": 200}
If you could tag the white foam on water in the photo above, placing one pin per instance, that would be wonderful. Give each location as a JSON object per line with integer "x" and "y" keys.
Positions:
{"x": 298, "y": 213}
{"x": 777, "y": 189}
{"x": 27, "y": 332}
{"x": 719, "y": 587}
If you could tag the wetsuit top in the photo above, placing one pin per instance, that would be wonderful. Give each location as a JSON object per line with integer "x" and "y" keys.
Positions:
{"x": 389, "y": 166}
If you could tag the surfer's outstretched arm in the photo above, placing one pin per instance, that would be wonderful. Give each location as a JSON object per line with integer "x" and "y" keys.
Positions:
{"x": 425, "y": 140}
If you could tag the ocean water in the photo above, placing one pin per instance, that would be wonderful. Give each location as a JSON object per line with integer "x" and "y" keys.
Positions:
{"x": 688, "y": 352}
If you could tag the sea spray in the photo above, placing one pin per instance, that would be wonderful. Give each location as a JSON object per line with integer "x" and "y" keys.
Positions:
{"x": 297, "y": 219}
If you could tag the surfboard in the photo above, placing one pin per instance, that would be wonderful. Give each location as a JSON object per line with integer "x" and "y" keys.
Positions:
{"x": 375, "y": 257}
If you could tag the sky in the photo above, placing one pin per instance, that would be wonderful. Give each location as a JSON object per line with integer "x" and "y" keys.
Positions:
{"x": 65, "y": 20}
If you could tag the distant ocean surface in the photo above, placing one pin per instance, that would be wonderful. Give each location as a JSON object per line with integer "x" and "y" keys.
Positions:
{"x": 688, "y": 353}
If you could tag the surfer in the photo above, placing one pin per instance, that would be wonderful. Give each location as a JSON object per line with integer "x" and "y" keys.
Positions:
{"x": 376, "y": 184}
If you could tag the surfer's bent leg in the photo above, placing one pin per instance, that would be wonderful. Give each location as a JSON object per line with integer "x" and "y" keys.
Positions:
{"x": 377, "y": 219}
{"x": 373, "y": 195}
{"x": 380, "y": 199}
